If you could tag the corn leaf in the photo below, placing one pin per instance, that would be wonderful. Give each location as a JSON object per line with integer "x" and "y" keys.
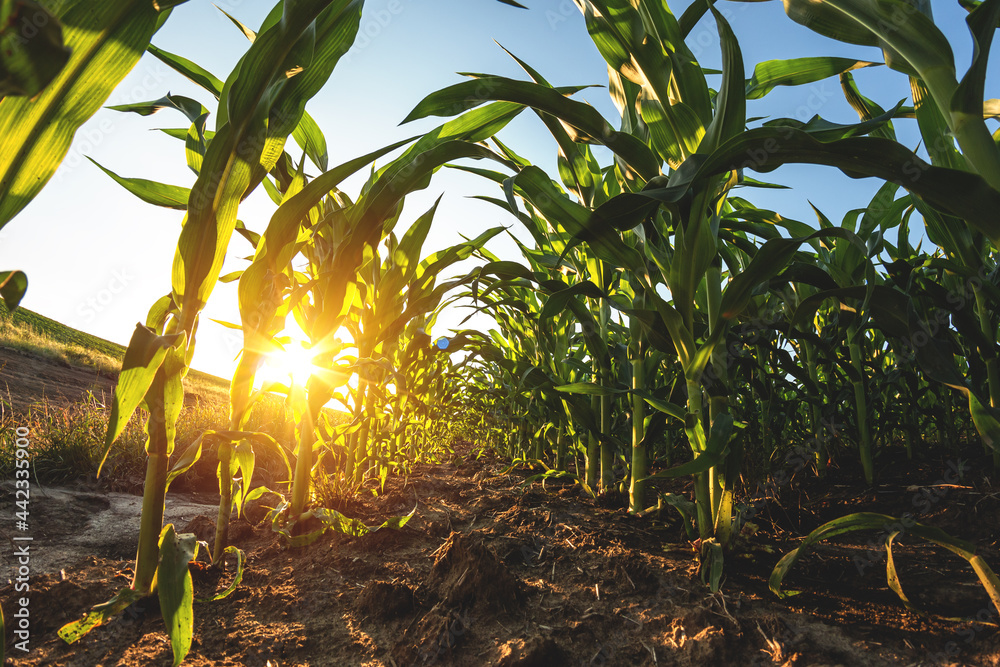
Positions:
{"x": 28, "y": 63}
{"x": 143, "y": 358}
{"x": 192, "y": 109}
{"x": 704, "y": 461}
{"x": 873, "y": 521}
{"x": 106, "y": 41}
{"x": 191, "y": 70}
{"x": 13, "y": 285}
{"x": 909, "y": 39}
{"x": 731, "y": 103}
{"x": 588, "y": 124}
{"x": 982, "y": 24}
{"x": 72, "y": 632}
{"x": 961, "y": 194}
{"x": 175, "y": 589}
{"x": 151, "y": 192}
{"x": 339, "y": 523}
{"x": 798, "y": 71}
{"x": 247, "y": 145}
{"x": 237, "y": 575}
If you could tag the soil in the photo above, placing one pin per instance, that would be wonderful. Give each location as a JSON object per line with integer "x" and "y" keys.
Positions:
{"x": 28, "y": 379}
{"x": 490, "y": 571}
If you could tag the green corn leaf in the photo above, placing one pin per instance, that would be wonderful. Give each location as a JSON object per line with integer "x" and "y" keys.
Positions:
{"x": 247, "y": 32}
{"x": 143, "y": 358}
{"x": 982, "y": 24}
{"x": 798, "y": 71}
{"x": 826, "y": 131}
{"x": 731, "y": 103}
{"x": 937, "y": 135}
{"x": 961, "y": 194}
{"x": 72, "y": 632}
{"x": 648, "y": 59}
{"x": 676, "y": 411}
{"x": 865, "y": 108}
{"x": 559, "y": 301}
{"x": 175, "y": 589}
{"x": 337, "y": 522}
{"x": 703, "y": 461}
{"x": 556, "y": 207}
{"x": 29, "y": 60}
{"x": 686, "y": 509}
{"x": 237, "y": 575}
{"x": 894, "y": 526}
{"x": 768, "y": 262}
{"x": 13, "y": 285}
{"x": 246, "y": 145}
{"x": 910, "y": 41}
{"x": 695, "y": 11}
{"x": 711, "y": 564}
{"x": 574, "y": 160}
{"x": 105, "y": 40}
{"x": 310, "y": 139}
{"x": 830, "y": 20}
{"x": 192, "y": 71}
{"x": 151, "y": 192}
{"x": 588, "y": 124}
{"x": 830, "y": 529}
{"x": 589, "y": 389}
{"x": 192, "y": 109}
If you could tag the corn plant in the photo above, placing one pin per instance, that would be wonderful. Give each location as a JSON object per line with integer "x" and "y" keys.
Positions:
{"x": 260, "y": 106}
{"x": 362, "y": 295}
{"x": 687, "y": 236}
{"x": 652, "y": 111}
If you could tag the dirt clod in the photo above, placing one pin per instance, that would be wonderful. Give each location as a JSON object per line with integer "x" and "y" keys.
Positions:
{"x": 255, "y": 510}
{"x": 536, "y": 652}
{"x": 384, "y": 601}
{"x": 202, "y": 527}
{"x": 467, "y": 572}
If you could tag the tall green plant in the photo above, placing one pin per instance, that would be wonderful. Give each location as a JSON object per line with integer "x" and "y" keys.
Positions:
{"x": 260, "y": 105}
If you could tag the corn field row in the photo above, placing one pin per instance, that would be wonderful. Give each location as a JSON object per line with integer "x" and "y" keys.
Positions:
{"x": 657, "y": 325}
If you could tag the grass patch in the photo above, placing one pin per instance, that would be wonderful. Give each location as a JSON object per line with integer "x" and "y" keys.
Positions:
{"x": 67, "y": 443}
{"x": 29, "y": 332}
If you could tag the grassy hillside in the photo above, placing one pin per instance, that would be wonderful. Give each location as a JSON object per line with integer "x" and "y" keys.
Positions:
{"x": 28, "y": 331}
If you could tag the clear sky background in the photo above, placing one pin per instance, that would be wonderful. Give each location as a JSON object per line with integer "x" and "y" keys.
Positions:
{"x": 97, "y": 257}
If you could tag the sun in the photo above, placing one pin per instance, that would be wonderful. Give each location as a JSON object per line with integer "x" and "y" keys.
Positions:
{"x": 295, "y": 361}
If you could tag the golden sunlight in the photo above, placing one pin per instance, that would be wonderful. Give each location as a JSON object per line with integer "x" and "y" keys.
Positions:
{"x": 295, "y": 361}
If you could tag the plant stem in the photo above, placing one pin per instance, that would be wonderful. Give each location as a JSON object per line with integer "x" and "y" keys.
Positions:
{"x": 303, "y": 463}
{"x": 593, "y": 445}
{"x": 225, "y": 501}
{"x": 640, "y": 464}
{"x": 861, "y": 405}
{"x": 155, "y": 489}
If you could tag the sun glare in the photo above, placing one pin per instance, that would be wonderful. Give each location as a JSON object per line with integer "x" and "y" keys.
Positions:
{"x": 295, "y": 362}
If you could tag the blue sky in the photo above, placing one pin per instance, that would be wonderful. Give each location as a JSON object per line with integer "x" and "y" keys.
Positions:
{"x": 97, "y": 257}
